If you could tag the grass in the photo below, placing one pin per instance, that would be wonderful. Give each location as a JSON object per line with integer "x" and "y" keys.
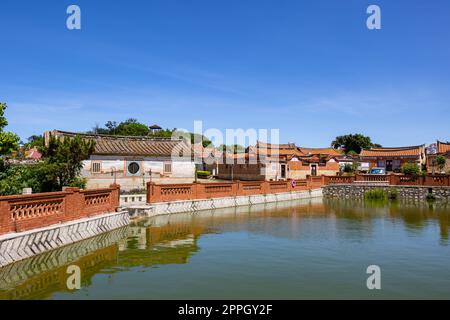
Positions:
{"x": 376, "y": 194}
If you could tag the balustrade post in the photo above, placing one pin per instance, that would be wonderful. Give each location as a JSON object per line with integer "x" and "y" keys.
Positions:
{"x": 237, "y": 188}
{"x": 74, "y": 203}
{"x": 265, "y": 187}
{"x": 6, "y": 222}
{"x": 114, "y": 197}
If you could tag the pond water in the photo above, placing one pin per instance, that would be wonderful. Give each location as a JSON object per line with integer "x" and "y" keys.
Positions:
{"x": 293, "y": 250}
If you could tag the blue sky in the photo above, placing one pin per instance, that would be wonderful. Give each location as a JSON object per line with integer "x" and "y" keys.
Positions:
{"x": 310, "y": 68}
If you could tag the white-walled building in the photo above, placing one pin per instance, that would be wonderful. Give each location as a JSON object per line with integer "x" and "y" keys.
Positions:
{"x": 134, "y": 161}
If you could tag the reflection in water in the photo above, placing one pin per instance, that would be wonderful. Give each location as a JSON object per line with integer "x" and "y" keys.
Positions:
{"x": 174, "y": 239}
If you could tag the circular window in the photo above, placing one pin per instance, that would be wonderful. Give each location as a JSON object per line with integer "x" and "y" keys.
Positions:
{"x": 133, "y": 168}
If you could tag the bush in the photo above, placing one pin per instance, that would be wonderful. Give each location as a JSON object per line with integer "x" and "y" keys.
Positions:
{"x": 203, "y": 174}
{"x": 375, "y": 194}
{"x": 411, "y": 169}
{"x": 79, "y": 182}
{"x": 430, "y": 197}
{"x": 133, "y": 191}
{"x": 14, "y": 178}
{"x": 441, "y": 161}
{"x": 348, "y": 168}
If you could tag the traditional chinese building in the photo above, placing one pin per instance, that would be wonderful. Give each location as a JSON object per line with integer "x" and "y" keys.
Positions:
{"x": 392, "y": 158}
{"x": 266, "y": 161}
{"x": 442, "y": 149}
{"x": 314, "y": 162}
{"x": 133, "y": 161}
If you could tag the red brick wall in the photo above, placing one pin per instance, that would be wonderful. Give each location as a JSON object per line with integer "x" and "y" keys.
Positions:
{"x": 26, "y": 212}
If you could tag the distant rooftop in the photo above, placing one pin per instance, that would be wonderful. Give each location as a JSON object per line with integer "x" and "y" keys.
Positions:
{"x": 410, "y": 151}
{"x": 129, "y": 145}
{"x": 443, "y": 147}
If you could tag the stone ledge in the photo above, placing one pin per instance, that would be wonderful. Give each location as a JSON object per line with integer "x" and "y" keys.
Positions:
{"x": 180, "y": 206}
{"x": 18, "y": 246}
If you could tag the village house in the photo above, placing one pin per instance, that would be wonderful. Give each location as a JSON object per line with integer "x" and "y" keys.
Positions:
{"x": 266, "y": 161}
{"x": 441, "y": 149}
{"x": 133, "y": 161}
{"x": 260, "y": 162}
{"x": 314, "y": 162}
{"x": 393, "y": 158}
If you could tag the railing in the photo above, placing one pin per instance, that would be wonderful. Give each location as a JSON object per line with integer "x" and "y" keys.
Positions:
{"x": 372, "y": 178}
{"x": 392, "y": 179}
{"x": 25, "y": 212}
{"x": 339, "y": 179}
{"x": 127, "y": 199}
{"x": 165, "y": 193}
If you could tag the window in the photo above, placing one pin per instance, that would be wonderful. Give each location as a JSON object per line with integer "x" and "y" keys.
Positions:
{"x": 96, "y": 167}
{"x": 133, "y": 168}
{"x": 167, "y": 168}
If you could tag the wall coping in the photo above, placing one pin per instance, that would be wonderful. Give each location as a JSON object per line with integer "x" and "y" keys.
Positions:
{"x": 231, "y": 197}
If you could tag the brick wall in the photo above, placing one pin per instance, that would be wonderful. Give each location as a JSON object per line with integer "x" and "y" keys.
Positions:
{"x": 26, "y": 212}
{"x": 190, "y": 191}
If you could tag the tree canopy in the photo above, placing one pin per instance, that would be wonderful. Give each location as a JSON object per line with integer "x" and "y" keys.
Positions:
{"x": 61, "y": 166}
{"x": 9, "y": 142}
{"x": 65, "y": 158}
{"x": 353, "y": 143}
{"x": 233, "y": 148}
{"x": 132, "y": 127}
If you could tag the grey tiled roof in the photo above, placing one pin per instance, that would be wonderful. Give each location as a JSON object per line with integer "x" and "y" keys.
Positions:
{"x": 135, "y": 146}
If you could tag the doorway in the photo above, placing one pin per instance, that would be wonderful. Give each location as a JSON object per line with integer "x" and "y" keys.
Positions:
{"x": 388, "y": 165}
{"x": 283, "y": 171}
{"x": 314, "y": 170}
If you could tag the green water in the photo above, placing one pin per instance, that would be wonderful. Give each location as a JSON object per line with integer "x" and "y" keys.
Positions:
{"x": 300, "y": 250}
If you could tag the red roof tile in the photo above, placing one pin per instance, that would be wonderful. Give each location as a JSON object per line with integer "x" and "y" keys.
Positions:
{"x": 412, "y": 151}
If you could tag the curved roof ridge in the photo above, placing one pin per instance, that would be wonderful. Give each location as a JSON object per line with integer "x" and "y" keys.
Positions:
{"x": 395, "y": 148}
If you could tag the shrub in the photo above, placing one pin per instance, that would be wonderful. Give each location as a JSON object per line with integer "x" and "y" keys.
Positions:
{"x": 79, "y": 182}
{"x": 133, "y": 191}
{"x": 203, "y": 174}
{"x": 440, "y": 161}
{"x": 348, "y": 168}
{"x": 375, "y": 194}
{"x": 411, "y": 169}
{"x": 431, "y": 197}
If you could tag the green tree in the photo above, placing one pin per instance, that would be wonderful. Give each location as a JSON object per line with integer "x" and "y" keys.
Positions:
{"x": 63, "y": 161}
{"x": 233, "y": 148}
{"x": 9, "y": 142}
{"x": 34, "y": 141}
{"x": 440, "y": 162}
{"x": 353, "y": 142}
{"x": 131, "y": 127}
{"x": 410, "y": 168}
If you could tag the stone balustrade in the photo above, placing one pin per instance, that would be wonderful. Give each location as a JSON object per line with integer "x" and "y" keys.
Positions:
{"x": 175, "y": 192}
